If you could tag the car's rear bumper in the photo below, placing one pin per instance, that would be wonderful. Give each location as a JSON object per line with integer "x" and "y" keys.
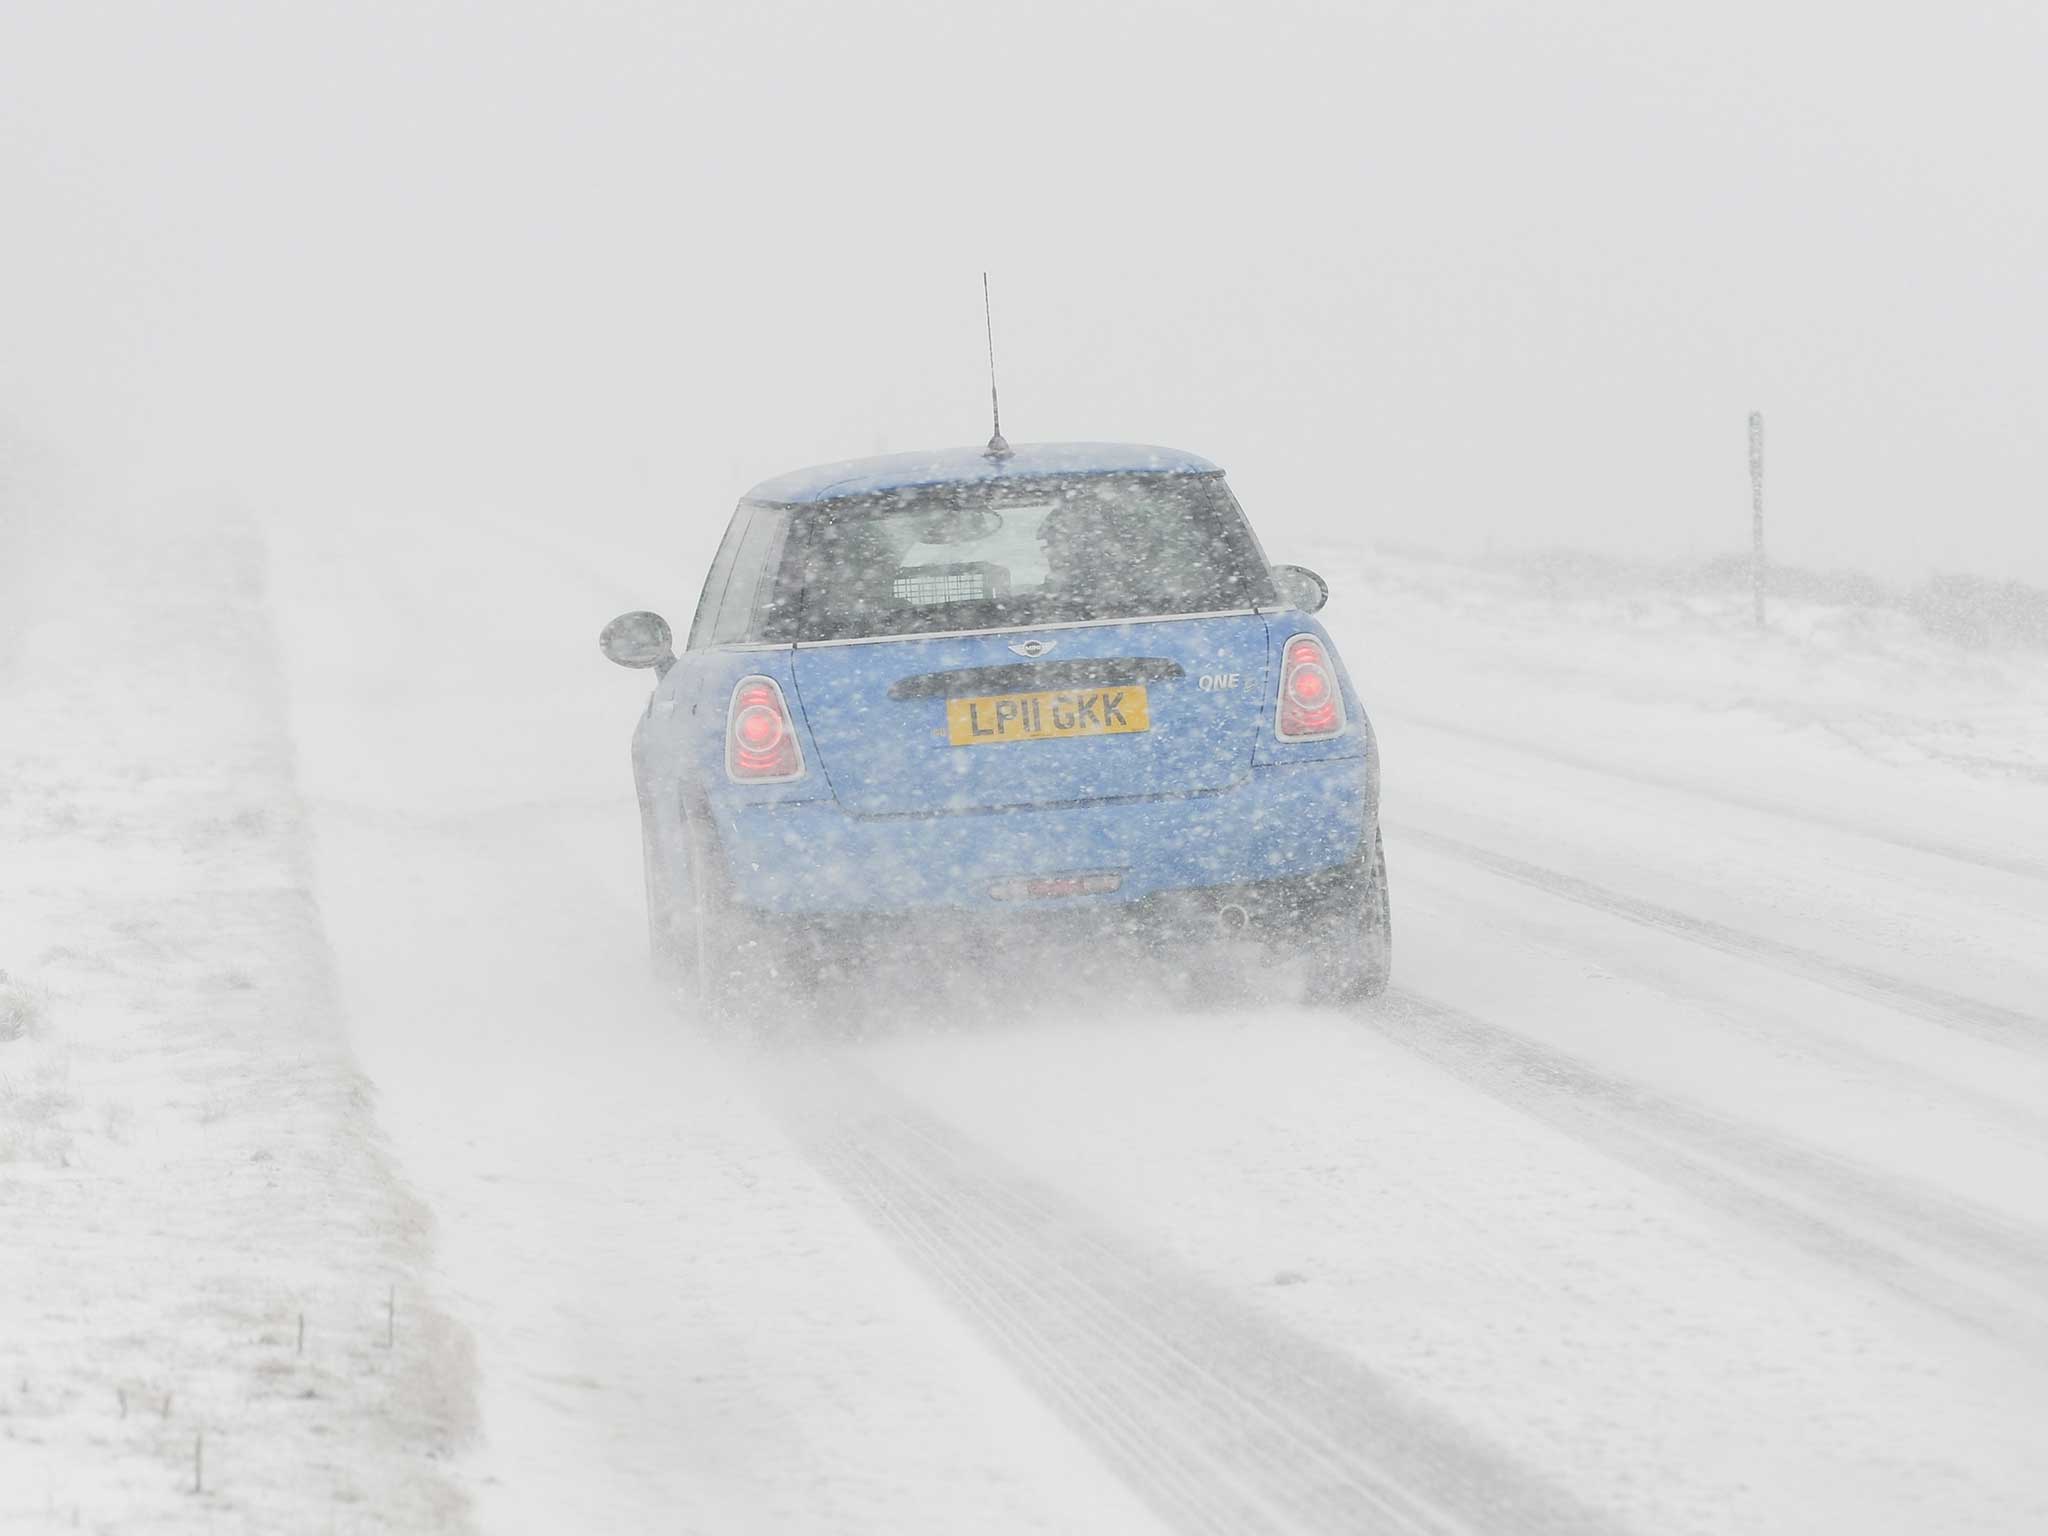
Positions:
{"x": 1280, "y": 822}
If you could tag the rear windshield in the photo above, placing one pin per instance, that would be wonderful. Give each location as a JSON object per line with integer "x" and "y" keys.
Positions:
{"x": 994, "y": 555}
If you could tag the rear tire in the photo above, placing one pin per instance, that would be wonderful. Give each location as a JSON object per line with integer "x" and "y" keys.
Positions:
{"x": 723, "y": 957}
{"x": 671, "y": 927}
{"x": 1354, "y": 946}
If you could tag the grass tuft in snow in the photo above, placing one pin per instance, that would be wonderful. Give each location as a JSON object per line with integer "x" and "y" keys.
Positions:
{"x": 22, "y": 1009}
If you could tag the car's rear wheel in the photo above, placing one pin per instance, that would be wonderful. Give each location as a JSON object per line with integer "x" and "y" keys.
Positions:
{"x": 741, "y": 968}
{"x": 1352, "y": 952}
{"x": 671, "y": 926}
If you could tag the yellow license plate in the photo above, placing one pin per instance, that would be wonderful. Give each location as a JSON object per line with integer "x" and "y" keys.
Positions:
{"x": 1047, "y": 716}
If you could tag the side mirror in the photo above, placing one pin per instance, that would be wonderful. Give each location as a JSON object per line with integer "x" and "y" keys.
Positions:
{"x": 1300, "y": 587}
{"x": 639, "y": 640}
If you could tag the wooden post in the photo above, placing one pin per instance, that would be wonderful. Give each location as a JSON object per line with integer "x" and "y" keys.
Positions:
{"x": 1756, "y": 512}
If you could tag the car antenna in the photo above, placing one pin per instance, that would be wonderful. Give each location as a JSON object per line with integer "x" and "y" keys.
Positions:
{"x": 998, "y": 448}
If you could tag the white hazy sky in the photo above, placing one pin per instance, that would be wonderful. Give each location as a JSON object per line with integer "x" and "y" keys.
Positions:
{"x": 1438, "y": 271}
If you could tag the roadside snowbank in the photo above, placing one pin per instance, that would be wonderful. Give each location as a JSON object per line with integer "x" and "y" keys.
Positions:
{"x": 1598, "y": 653}
{"x": 189, "y": 1172}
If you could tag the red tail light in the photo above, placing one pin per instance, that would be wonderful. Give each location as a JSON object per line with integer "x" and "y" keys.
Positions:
{"x": 760, "y": 738}
{"x": 1311, "y": 704}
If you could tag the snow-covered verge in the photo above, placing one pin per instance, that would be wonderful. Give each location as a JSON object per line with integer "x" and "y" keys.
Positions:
{"x": 1664, "y": 667}
{"x": 214, "y": 1307}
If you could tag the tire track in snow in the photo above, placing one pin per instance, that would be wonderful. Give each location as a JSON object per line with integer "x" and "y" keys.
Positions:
{"x": 1220, "y": 1419}
{"x": 1843, "y": 1056}
{"x": 1824, "y": 1204}
{"x": 1981, "y": 858}
{"x": 1986, "y": 1021}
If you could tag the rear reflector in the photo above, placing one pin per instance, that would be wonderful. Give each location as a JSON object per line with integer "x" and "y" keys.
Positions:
{"x": 1039, "y": 887}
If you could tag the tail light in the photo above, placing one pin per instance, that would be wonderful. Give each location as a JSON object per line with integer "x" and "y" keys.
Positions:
{"x": 1311, "y": 703}
{"x": 760, "y": 738}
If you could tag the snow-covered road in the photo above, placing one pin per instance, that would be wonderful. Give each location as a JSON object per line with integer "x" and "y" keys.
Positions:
{"x": 1694, "y": 1177}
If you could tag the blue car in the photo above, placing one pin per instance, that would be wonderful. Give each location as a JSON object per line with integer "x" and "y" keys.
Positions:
{"x": 973, "y": 686}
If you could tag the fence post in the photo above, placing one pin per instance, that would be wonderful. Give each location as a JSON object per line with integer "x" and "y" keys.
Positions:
{"x": 1756, "y": 512}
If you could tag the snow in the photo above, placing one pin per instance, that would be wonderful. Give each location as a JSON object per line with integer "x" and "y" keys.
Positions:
{"x": 1692, "y": 1178}
{"x": 358, "y": 362}
{"x": 190, "y": 1174}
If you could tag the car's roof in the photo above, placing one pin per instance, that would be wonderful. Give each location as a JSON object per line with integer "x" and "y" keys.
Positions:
{"x": 947, "y": 466}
